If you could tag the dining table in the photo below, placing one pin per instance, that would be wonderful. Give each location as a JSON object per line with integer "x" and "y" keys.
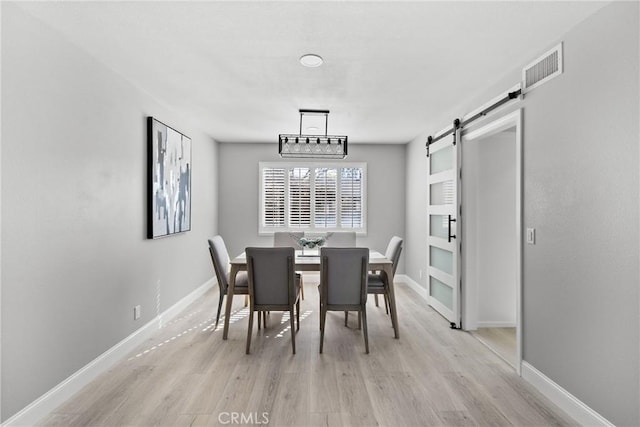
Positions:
{"x": 305, "y": 262}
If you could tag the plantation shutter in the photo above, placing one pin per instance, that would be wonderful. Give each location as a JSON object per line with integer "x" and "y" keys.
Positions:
{"x": 299, "y": 197}
{"x": 326, "y": 198}
{"x": 351, "y": 197}
{"x": 312, "y": 197}
{"x": 273, "y": 198}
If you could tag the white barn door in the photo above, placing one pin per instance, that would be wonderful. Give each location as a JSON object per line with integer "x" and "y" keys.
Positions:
{"x": 444, "y": 232}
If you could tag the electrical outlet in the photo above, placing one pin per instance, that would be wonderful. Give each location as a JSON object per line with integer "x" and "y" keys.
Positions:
{"x": 137, "y": 312}
{"x": 531, "y": 236}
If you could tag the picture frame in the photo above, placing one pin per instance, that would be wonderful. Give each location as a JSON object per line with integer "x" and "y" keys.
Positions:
{"x": 169, "y": 180}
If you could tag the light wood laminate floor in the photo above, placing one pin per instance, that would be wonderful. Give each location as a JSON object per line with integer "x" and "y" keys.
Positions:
{"x": 432, "y": 376}
{"x": 500, "y": 340}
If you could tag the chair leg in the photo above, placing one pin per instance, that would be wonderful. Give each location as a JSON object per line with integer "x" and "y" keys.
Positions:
{"x": 264, "y": 319}
{"x": 246, "y": 300}
{"x": 394, "y": 315}
{"x": 319, "y": 304}
{"x": 364, "y": 328}
{"x": 359, "y": 320}
{"x": 386, "y": 303}
{"x": 249, "y": 330}
{"x": 323, "y": 318}
{"x": 298, "y": 314}
{"x": 259, "y": 319}
{"x": 293, "y": 331}
{"x": 346, "y": 317}
{"x": 219, "y": 309}
{"x": 301, "y": 287}
{"x": 375, "y": 296}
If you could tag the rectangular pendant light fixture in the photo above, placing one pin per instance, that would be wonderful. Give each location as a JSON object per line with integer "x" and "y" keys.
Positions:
{"x": 312, "y": 144}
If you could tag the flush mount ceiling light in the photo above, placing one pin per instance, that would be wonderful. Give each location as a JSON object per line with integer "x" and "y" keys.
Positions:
{"x": 311, "y": 60}
{"x": 313, "y": 145}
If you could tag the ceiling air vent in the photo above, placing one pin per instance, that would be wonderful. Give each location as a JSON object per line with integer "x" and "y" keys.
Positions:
{"x": 542, "y": 69}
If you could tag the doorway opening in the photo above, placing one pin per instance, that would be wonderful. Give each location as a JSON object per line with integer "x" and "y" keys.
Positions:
{"x": 491, "y": 221}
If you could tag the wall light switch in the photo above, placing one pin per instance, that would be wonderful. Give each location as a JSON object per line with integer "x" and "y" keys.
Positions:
{"x": 137, "y": 312}
{"x": 531, "y": 236}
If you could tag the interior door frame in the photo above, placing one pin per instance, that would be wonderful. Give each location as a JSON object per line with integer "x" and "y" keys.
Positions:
{"x": 513, "y": 119}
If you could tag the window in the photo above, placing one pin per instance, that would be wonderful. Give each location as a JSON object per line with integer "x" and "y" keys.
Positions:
{"x": 312, "y": 197}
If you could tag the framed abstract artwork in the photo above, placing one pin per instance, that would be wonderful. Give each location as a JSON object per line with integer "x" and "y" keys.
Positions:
{"x": 169, "y": 182}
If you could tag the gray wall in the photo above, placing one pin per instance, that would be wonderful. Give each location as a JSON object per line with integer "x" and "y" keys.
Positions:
{"x": 238, "y": 177}
{"x": 581, "y": 193}
{"x": 75, "y": 260}
{"x": 416, "y": 220}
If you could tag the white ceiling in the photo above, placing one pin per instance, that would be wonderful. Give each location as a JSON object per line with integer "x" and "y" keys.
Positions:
{"x": 390, "y": 67}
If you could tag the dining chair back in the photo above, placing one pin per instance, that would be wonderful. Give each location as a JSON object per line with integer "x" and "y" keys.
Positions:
{"x": 394, "y": 248}
{"x": 379, "y": 283}
{"x": 272, "y": 285}
{"x": 343, "y": 284}
{"x": 287, "y": 239}
{"x": 220, "y": 260}
{"x": 341, "y": 239}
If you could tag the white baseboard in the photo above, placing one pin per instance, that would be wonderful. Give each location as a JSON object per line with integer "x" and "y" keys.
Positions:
{"x": 580, "y": 412}
{"x": 403, "y": 278}
{"x": 496, "y": 324}
{"x": 45, "y": 404}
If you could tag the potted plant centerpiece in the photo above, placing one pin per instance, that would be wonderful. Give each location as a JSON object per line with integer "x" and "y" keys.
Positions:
{"x": 310, "y": 245}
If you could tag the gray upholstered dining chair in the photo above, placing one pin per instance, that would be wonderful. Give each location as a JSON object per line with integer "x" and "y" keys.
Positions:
{"x": 379, "y": 282}
{"x": 220, "y": 259}
{"x": 343, "y": 285}
{"x": 287, "y": 239}
{"x": 341, "y": 239}
{"x": 273, "y": 286}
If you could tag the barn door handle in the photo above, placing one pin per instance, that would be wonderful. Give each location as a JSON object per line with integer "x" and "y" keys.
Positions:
{"x": 451, "y": 236}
